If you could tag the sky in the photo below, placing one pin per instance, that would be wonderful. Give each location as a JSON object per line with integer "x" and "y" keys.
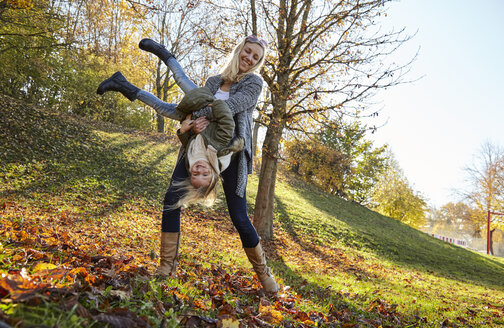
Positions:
{"x": 436, "y": 125}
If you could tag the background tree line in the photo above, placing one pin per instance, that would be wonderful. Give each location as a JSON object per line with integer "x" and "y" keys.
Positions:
{"x": 483, "y": 192}
{"x": 55, "y": 53}
{"x": 326, "y": 61}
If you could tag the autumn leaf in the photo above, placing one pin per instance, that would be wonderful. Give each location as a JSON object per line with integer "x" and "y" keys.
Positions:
{"x": 268, "y": 313}
{"x": 228, "y": 323}
{"x": 16, "y": 286}
{"x": 200, "y": 305}
{"x": 41, "y": 266}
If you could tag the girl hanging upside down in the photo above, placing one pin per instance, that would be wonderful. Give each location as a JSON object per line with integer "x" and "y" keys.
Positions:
{"x": 227, "y": 101}
{"x": 207, "y": 153}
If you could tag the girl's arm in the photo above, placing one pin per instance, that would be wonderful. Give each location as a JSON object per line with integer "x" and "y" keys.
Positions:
{"x": 184, "y": 132}
{"x": 191, "y": 127}
{"x": 225, "y": 123}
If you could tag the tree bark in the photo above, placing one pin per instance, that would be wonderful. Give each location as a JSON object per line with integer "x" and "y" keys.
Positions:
{"x": 491, "y": 241}
{"x": 159, "y": 83}
{"x": 255, "y": 133}
{"x": 159, "y": 93}
{"x": 160, "y": 123}
{"x": 263, "y": 211}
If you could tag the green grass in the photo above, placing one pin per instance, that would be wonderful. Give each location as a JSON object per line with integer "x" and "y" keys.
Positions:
{"x": 71, "y": 189}
{"x": 328, "y": 219}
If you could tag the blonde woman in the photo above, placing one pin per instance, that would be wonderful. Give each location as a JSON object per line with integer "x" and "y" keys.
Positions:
{"x": 239, "y": 87}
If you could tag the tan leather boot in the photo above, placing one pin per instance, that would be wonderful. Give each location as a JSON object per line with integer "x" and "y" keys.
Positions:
{"x": 258, "y": 260}
{"x": 169, "y": 253}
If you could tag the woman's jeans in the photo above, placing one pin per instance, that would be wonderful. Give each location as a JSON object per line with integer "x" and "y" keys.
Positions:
{"x": 237, "y": 206}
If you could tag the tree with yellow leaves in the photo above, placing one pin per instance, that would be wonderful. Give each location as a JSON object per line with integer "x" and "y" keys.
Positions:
{"x": 485, "y": 176}
{"x": 326, "y": 58}
{"x": 394, "y": 197}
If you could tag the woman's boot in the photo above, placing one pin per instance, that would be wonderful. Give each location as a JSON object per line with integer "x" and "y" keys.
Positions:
{"x": 117, "y": 82}
{"x": 169, "y": 253}
{"x": 155, "y": 48}
{"x": 258, "y": 260}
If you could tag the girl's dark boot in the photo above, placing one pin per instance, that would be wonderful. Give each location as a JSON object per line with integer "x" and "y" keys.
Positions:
{"x": 117, "y": 82}
{"x": 155, "y": 48}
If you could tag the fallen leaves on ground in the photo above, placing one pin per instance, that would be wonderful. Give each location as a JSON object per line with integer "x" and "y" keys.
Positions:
{"x": 57, "y": 257}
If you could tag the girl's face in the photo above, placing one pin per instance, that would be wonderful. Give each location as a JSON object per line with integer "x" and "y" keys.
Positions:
{"x": 249, "y": 56}
{"x": 201, "y": 174}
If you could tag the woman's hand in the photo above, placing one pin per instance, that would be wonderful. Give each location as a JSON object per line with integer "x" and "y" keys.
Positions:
{"x": 200, "y": 124}
{"x": 186, "y": 124}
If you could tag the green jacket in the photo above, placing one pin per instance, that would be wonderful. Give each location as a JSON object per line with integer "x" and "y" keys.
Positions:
{"x": 220, "y": 131}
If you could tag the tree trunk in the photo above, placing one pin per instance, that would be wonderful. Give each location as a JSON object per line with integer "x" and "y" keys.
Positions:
{"x": 159, "y": 93}
{"x": 160, "y": 123}
{"x": 491, "y": 241}
{"x": 263, "y": 211}
{"x": 255, "y": 133}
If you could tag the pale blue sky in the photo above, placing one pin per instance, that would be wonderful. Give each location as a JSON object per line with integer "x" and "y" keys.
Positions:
{"x": 437, "y": 124}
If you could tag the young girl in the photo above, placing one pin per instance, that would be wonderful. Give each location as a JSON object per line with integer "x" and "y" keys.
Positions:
{"x": 208, "y": 153}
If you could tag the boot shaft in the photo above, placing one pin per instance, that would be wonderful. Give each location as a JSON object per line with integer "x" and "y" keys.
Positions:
{"x": 169, "y": 253}
{"x": 257, "y": 258}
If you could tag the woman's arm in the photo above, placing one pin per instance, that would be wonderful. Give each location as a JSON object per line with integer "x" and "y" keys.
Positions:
{"x": 245, "y": 97}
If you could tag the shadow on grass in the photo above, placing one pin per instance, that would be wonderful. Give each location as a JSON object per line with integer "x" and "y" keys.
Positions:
{"x": 47, "y": 156}
{"x": 396, "y": 241}
{"x": 316, "y": 292}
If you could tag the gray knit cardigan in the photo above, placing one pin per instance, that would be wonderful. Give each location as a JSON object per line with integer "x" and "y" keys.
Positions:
{"x": 242, "y": 101}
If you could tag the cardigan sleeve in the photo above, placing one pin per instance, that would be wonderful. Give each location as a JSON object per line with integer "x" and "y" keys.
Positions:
{"x": 246, "y": 95}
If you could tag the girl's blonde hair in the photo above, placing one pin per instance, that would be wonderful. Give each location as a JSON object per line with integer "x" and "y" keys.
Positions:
{"x": 231, "y": 72}
{"x": 203, "y": 195}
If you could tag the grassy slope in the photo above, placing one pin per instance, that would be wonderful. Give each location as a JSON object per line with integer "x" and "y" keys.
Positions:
{"x": 70, "y": 184}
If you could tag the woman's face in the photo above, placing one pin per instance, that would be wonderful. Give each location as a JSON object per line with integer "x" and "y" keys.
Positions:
{"x": 249, "y": 56}
{"x": 201, "y": 174}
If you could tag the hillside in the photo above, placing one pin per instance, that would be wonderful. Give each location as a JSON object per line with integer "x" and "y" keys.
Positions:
{"x": 80, "y": 206}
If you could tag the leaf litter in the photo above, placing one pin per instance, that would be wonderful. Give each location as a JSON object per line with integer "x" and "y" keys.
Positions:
{"x": 91, "y": 254}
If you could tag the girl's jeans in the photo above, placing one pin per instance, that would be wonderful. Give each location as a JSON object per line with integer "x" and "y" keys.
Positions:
{"x": 164, "y": 108}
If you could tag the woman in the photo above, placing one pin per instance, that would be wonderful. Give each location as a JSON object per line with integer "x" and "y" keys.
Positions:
{"x": 239, "y": 87}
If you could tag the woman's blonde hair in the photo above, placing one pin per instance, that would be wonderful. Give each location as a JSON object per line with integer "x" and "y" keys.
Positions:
{"x": 203, "y": 195}
{"x": 231, "y": 72}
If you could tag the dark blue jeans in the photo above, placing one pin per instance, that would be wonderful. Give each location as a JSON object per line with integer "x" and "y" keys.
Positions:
{"x": 237, "y": 206}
